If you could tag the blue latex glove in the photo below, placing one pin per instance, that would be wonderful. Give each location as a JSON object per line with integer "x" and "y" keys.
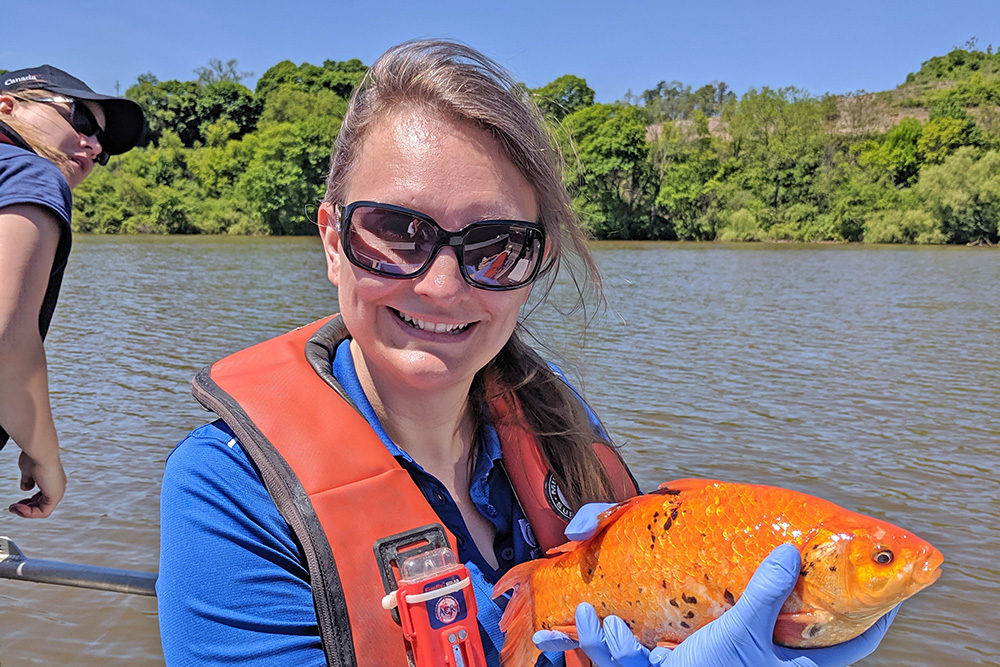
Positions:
{"x": 584, "y": 522}
{"x": 740, "y": 637}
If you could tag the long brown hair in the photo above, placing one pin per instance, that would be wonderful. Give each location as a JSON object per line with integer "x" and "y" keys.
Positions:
{"x": 31, "y": 134}
{"x": 455, "y": 80}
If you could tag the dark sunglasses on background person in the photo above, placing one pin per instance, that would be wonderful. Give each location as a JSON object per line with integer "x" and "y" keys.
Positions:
{"x": 79, "y": 117}
{"x": 398, "y": 242}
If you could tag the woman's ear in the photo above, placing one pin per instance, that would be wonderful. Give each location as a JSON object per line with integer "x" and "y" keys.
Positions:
{"x": 329, "y": 232}
{"x": 6, "y": 105}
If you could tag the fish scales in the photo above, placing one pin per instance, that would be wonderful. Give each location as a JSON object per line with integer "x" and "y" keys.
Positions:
{"x": 671, "y": 561}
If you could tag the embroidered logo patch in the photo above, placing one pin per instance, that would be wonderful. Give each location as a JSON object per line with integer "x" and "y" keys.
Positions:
{"x": 555, "y": 497}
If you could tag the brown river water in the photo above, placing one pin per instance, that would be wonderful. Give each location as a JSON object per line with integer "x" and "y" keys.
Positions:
{"x": 869, "y": 376}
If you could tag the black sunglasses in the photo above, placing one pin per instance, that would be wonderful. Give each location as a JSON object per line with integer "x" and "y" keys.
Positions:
{"x": 398, "y": 242}
{"x": 80, "y": 118}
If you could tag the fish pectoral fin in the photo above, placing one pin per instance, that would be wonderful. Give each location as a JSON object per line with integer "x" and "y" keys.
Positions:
{"x": 568, "y": 630}
{"x": 793, "y": 627}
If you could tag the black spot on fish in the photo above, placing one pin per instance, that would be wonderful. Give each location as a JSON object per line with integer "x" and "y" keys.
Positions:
{"x": 690, "y": 600}
{"x": 684, "y": 624}
{"x": 673, "y": 602}
{"x": 730, "y": 600}
{"x": 649, "y": 527}
{"x": 833, "y": 568}
{"x": 656, "y": 514}
{"x": 673, "y": 514}
{"x": 663, "y": 584}
{"x": 690, "y": 614}
{"x": 672, "y": 492}
{"x": 604, "y": 604}
{"x": 666, "y": 524}
{"x": 804, "y": 572}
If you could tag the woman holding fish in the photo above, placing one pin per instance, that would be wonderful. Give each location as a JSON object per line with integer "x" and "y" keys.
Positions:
{"x": 420, "y": 403}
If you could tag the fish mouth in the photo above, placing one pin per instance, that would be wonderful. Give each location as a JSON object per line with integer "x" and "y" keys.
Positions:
{"x": 930, "y": 571}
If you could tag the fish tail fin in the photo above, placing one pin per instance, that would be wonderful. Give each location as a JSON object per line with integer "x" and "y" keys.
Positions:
{"x": 517, "y": 622}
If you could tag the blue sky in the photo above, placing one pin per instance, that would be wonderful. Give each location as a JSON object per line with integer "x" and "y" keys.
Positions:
{"x": 616, "y": 45}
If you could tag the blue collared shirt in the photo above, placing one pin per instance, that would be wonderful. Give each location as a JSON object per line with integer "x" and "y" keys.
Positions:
{"x": 489, "y": 487}
{"x": 491, "y": 494}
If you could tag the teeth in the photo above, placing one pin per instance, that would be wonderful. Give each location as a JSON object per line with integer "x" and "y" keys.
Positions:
{"x": 430, "y": 326}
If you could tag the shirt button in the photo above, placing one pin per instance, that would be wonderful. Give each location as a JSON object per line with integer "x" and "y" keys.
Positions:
{"x": 507, "y": 553}
{"x": 460, "y": 540}
{"x": 491, "y": 510}
{"x": 439, "y": 496}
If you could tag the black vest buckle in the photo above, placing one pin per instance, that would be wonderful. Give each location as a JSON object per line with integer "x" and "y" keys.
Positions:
{"x": 392, "y": 550}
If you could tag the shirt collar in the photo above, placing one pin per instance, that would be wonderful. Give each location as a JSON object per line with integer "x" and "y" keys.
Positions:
{"x": 343, "y": 369}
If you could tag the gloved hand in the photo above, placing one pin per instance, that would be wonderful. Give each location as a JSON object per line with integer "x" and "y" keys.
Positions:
{"x": 740, "y": 637}
{"x": 584, "y": 522}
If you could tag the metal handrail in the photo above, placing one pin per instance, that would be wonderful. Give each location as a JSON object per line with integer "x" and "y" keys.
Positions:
{"x": 14, "y": 565}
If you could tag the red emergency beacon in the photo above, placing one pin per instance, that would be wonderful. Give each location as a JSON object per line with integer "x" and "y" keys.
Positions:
{"x": 437, "y": 609}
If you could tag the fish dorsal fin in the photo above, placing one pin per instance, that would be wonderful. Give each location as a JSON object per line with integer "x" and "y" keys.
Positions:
{"x": 612, "y": 514}
{"x": 604, "y": 519}
{"x": 687, "y": 484}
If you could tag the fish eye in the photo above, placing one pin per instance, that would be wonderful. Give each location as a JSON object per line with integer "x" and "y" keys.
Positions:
{"x": 883, "y": 556}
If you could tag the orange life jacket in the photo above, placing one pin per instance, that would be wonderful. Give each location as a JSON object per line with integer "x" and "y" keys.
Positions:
{"x": 325, "y": 467}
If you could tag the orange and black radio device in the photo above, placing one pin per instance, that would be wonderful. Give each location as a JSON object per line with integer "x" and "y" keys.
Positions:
{"x": 433, "y": 598}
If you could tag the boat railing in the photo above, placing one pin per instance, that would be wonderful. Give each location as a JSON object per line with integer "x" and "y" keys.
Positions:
{"x": 15, "y": 565}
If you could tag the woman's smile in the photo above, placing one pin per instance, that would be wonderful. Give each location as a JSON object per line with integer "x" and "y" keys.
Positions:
{"x": 433, "y": 327}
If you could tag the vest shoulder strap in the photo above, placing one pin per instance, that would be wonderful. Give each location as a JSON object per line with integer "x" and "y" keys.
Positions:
{"x": 331, "y": 478}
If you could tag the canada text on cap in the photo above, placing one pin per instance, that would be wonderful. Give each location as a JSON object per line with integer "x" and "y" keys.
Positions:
{"x": 123, "y": 117}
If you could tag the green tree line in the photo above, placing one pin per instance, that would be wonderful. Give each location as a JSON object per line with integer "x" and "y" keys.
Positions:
{"x": 917, "y": 164}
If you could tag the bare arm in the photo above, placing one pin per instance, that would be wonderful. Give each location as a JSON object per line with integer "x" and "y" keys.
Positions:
{"x": 29, "y": 236}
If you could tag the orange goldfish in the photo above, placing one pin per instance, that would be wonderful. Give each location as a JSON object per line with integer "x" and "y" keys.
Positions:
{"x": 670, "y": 561}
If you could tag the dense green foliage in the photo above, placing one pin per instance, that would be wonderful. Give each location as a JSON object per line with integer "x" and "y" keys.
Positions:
{"x": 220, "y": 158}
{"x": 920, "y": 164}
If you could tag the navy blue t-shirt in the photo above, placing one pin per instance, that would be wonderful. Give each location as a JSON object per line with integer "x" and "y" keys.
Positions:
{"x": 27, "y": 178}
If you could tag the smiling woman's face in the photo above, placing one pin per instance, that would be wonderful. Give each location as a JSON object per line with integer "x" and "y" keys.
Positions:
{"x": 434, "y": 331}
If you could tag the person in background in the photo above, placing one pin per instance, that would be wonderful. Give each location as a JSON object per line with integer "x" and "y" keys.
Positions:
{"x": 419, "y": 403}
{"x": 53, "y": 131}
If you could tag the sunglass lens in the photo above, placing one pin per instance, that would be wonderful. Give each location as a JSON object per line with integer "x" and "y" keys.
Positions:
{"x": 501, "y": 255}
{"x": 83, "y": 120}
{"x": 390, "y": 242}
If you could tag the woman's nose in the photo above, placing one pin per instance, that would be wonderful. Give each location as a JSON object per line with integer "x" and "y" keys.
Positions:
{"x": 443, "y": 277}
{"x": 94, "y": 144}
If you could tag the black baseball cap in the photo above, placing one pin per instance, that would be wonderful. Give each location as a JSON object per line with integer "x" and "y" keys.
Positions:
{"x": 123, "y": 117}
